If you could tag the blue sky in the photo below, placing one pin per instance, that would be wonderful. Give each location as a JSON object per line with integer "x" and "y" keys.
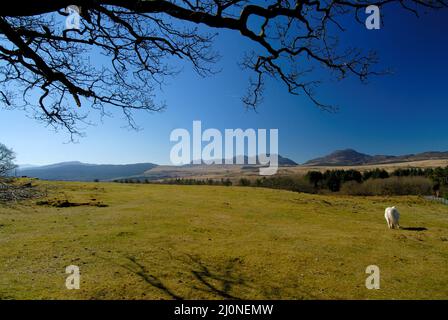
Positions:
{"x": 396, "y": 114}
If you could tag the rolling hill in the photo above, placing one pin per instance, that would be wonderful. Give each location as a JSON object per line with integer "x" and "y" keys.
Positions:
{"x": 350, "y": 157}
{"x": 138, "y": 241}
{"x": 248, "y": 161}
{"x": 78, "y": 171}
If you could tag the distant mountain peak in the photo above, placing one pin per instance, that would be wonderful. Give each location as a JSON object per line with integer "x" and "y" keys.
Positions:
{"x": 347, "y": 151}
{"x": 351, "y": 157}
{"x": 79, "y": 171}
{"x": 341, "y": 157}
{"x": 282, "y": 161}
{"x": 66, "y": 163}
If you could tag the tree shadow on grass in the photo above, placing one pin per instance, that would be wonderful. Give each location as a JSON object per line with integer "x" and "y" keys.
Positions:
{"x": 219, "y": 283}
{"x": 414, "y": 228}
{"x": 140, "y": 270}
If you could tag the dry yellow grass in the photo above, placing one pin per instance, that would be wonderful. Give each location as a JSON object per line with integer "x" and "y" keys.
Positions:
{"x": 235, "y": 172}
{"x": 387, "y": 166}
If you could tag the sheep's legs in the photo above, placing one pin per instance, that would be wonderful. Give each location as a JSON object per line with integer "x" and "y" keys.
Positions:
{"x": 389, "y": 224}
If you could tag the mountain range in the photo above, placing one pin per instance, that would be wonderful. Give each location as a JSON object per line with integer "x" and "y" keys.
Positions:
{"x": 350, "y": 157}
{"x": 282, "y": 161}
{"x": 78, "y": 171}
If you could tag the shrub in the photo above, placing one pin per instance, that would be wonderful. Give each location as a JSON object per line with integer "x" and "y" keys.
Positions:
{"x": 375, "y": 174}
{"x": 315, "y": 178}
{"x": 406, "y": 185}
{"x": 444, "y": 192}
{"x": 226, "y": 182}
{"x": 244, "y": 182}
{"x": 298, "y": 184}
{"x": 354, "y": 188}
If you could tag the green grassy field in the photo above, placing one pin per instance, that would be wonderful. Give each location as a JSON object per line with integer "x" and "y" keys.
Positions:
{"x": 205, "y": 242}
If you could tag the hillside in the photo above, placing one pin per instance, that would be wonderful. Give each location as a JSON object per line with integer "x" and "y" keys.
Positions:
{"x": 213, "y": 171}
{"x": 248, "y": 161}
{"x": 350, "y": 157}
{"x": 78, "y": 171}
{"x": 208, "y": 242}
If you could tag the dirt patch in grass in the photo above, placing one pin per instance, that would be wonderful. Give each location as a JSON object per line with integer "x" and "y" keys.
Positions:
{"x": 67, "y": 204}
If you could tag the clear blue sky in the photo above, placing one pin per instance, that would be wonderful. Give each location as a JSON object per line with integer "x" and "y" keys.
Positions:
{"x": 406, "y": 112}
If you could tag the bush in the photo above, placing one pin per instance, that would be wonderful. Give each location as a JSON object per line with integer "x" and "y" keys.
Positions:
{"x": 244, "y": 182}
{"x": 389, "y": 187}
{"x": 444, "y": 192}
{"x": 226, "y": 182}
{"x": 375, "y": 174}
{"x": 297, "y": 184}
{"x": 354, "y": 188}
{"x": 315, "y": 178}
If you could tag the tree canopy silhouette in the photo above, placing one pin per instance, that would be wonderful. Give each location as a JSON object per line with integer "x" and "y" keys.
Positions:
{"x": 49, "y": 72}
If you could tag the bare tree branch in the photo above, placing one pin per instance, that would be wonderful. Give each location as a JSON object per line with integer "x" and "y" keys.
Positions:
{"x": 53, "y": 71}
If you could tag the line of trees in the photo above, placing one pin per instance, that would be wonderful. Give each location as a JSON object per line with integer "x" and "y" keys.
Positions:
{"x": 180, "y": 181}
{"x": 334, "y": 179}
{"x": 404, "y": 181}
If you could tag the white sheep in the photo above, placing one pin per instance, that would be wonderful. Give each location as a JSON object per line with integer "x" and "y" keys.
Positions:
{"x": 392, "y": 217}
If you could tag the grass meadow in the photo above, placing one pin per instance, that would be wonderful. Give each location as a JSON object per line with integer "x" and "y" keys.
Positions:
{"x": 137, "y": 241}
